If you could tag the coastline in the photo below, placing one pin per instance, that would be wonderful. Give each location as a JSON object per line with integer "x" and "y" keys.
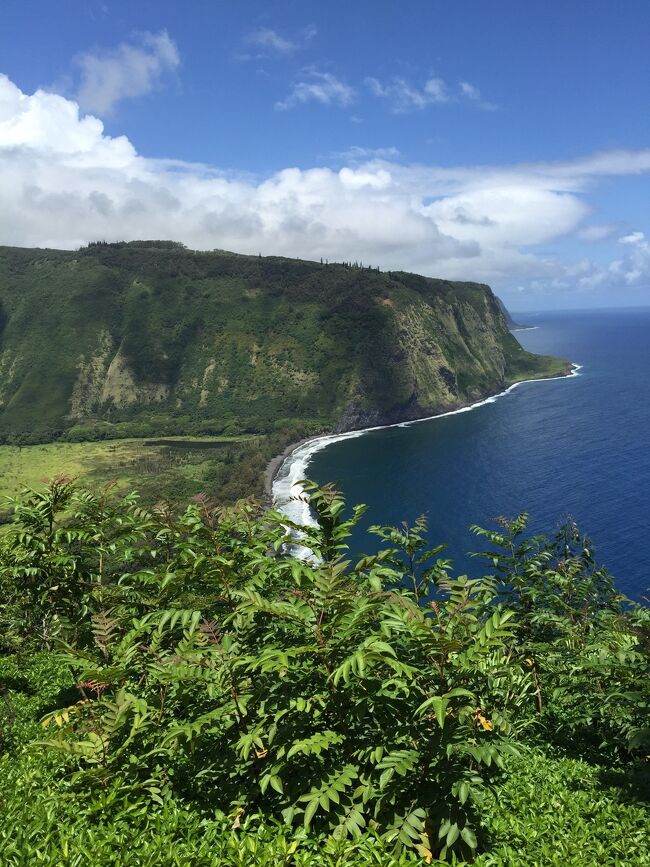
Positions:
{"x": 274, "y": 465}
{"x": 285, "y": 470}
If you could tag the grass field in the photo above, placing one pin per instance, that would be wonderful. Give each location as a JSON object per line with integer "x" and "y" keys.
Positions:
{"x": 170, "y": 467}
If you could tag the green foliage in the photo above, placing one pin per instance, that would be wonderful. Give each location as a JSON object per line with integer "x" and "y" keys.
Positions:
{"x": 553, "y": 810}
{"x": 200, "y": 687}
{"x": 149, "y": 338}
{"x": 586, "y": 647}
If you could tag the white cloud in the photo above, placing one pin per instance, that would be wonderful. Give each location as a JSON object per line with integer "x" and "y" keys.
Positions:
{"x": 596, "y": 232}
{"x": 435, "y": 90}
{"x": 355, "y": 179}
{"x": 469, "y": 90}
{"x": 636, "y": 239}
{"x": 267, "y": 38}
{"x": 401, "y": 95}
{"x": 269, "y": 43}
{"x": 321, "y": 87}
{"x": 79, "y": 184}
{"x": 45, "y": 123}
{"x": 355, "y": 154}
{"x": 404, "y": 96}
{"x": 630, "y": 270}
{"x": 64, "y": 182}
{"x": 636, "y": 264}
{"x": 106, "y": 77}
{"x": 472, "y": 93}
{"x": 508, "y": 216}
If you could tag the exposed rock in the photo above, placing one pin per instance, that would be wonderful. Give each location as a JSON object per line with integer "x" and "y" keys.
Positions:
{"x": 120, "y": 386}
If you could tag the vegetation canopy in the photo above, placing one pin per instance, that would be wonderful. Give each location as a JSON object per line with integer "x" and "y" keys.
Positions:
{"x": 146, "y": 339}
{"x": 183, "y": 675}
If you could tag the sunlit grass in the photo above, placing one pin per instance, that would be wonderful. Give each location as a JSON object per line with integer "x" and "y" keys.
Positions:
{"x": 96, "y": 463}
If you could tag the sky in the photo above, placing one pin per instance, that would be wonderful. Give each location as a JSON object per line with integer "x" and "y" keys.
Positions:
{"x": 504, "y": 142}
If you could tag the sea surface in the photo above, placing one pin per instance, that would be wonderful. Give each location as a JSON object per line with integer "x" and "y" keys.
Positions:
{"x": 576, "y": 447}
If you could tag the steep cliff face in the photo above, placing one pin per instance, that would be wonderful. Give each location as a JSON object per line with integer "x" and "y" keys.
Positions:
{"x": 151, "y": 337}
{"x": 510, "y": 322}
{"x": 451, "y": 348}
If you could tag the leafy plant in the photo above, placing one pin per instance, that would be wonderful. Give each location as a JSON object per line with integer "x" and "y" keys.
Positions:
{"x": 188, "y": 662}
{"x": 585, "y": 645}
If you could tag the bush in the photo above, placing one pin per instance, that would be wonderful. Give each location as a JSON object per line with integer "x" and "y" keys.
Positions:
{"x": 187, "y": 666}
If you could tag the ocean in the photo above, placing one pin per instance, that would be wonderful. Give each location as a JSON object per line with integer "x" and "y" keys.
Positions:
{"x": 577, "y": 447}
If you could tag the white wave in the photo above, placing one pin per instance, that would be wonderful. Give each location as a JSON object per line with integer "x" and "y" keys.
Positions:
{"x": 286, "y": 484}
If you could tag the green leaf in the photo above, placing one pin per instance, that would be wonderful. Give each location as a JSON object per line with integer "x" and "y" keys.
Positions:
{"x": 311, "y": 808}
{"x": 452, "y": 835}
{"x": 469, "y": 837}
{"x": 439, "y": 706}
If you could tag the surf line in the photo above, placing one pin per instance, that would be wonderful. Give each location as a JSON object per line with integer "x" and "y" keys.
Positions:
{"x": 286, "y": 487}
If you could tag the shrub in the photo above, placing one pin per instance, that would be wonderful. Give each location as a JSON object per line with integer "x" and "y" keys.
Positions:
{"x": 191, "y": 663}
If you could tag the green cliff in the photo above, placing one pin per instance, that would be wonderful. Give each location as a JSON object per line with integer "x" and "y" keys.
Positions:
{"x": 149, "y": 337}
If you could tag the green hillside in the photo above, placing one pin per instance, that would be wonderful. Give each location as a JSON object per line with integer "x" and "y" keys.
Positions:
{"x": 145, "y": 338}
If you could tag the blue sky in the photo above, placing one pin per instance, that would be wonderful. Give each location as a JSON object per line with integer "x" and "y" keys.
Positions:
{"x": 505, "y": 142}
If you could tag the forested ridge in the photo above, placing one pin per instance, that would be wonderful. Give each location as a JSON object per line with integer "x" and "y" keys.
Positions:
{"x": 176, "y": 688}
{"x": 149, "y": 338}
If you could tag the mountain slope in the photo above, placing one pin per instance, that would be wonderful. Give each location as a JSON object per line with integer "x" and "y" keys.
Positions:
{"x": 148, "y": 337}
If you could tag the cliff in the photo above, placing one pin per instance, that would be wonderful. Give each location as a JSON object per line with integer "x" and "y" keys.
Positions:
{"x": 149, "y": 337}
{"x": 512, "y": 325}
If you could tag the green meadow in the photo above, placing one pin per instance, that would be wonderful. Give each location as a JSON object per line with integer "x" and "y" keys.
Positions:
{"x": 164, "y": 468}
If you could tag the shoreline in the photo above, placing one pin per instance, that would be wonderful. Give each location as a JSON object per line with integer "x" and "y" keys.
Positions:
{"x": 275, "y": 464}
{"x": 279, "y": 487}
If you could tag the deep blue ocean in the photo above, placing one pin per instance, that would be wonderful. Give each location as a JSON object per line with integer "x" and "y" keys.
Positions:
{"x": 576, "y": 447}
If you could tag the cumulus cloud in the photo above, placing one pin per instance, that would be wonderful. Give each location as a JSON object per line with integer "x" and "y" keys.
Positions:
{"x": 64, "y": 182}
{"x": 105, "y": 77}
{"x": 321, "y": 87}
{"x": 636, "y": 265}
{"x": 630, "y": 270}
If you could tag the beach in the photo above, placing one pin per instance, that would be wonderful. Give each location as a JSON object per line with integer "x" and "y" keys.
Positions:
{"x": 285, "y": 471}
